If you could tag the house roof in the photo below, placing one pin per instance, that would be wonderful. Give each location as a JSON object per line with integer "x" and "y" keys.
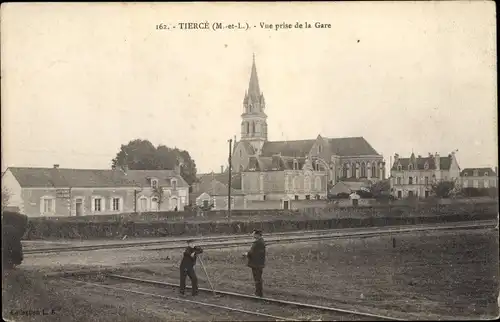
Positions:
{"x": 419, "y": 162}
{"x": 480, "y": 172}
{"x": 296, "y": 148}
{"x": 348, "y": 187}
{"x": 29, "y": 177}
{"x": 351, "y": 146}
{"x": 213, "y": 187}
{"x": 224, "y": 178}
{"x": 164, "y": 177}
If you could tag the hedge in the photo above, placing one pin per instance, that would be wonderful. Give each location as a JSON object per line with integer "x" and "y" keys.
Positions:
{"x": 68, "y": 228}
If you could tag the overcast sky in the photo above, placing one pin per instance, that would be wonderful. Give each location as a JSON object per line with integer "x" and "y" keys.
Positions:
{"x": 79, "y": 80}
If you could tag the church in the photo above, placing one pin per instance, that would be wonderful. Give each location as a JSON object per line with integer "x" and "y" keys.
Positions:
{"x": 298, "y": 169}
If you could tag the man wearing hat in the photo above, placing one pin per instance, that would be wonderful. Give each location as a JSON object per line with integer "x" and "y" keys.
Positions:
{"x": 187, "y": 267}
{"x": 256, "y": 260}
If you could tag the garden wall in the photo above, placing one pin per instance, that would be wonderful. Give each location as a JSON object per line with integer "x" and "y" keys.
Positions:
{"x": 243, "y": 221}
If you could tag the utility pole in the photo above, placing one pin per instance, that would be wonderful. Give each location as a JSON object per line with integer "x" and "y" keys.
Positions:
{"x": 229, "y": 184}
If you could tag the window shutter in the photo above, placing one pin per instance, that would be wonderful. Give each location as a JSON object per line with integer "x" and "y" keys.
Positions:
{"x": 42, "y": 206}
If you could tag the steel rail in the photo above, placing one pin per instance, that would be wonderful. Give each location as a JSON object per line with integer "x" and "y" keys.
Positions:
{"x": 276, "y": 318}
{"x": 306, "y": 238}
{"x": 244, "y": 240}
{"x": 176, "y": 240}
{"x": 263, "y": 299}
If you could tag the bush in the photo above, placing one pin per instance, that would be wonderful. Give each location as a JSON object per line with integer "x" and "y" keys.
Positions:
{"x": 362, "y": 217}
{"x": 13, "y": 228}
{"x": 471, "y": 192}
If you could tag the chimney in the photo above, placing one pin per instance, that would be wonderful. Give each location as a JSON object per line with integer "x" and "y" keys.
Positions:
{"x": 396, "y": 158}
{"x": 437, "y": 161}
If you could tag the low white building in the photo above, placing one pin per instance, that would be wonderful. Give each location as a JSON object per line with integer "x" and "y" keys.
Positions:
{"x": 479, "y": 178}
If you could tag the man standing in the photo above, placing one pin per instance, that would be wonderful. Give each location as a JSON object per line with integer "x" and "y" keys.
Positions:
{"x": 187, "y": 267}
{"x": 256, "y": 260}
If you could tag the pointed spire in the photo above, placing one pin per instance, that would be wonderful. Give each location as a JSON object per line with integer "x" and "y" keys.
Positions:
{"x": 253, "y": 86}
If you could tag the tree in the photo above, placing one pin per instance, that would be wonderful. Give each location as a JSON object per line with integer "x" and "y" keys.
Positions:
{"x": 159, "y": 193}
{"x": 5, "y": 197}
{"x": 143, "y": 155}
{"x": 443, "y": 189}
{"x": 380, "y": 188}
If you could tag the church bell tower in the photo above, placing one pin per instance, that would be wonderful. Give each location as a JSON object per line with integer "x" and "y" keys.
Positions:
{"x": 253, "y": 119}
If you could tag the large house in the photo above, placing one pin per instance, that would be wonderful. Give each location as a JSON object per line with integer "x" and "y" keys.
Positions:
{"x": 299, "y": 169}
{"x": 414, "y": 176}
{"x": 479, "y": 178}
{"x": 78, "y": 192}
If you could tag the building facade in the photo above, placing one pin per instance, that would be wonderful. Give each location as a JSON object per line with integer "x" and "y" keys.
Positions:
{"x": 298, "y": 169}
{"x": 414, "y": 176}
{"x": 79, "y": 192}
{"x": 212, "y": 189}
{"x": 479, "y": 178}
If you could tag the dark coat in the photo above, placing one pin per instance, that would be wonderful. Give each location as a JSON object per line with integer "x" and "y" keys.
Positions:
{"x": 257, "y": 254}
{"x": 188, "y": 260}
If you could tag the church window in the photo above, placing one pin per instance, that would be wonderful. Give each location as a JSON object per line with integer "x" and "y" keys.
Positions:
{"x": 253, "y": 127}
{"x": 363, "y": 170}
{"x": 353, "y": 172}
{"x": 307, "y": 184}
{"x": 319, "y": 148}
{"x": 295, "y": 165}
{"x": 374, "y": 170}
{"x": 346, "y": 168}
{"x": 248, "y": 127}
{"x": 317, "y": 184}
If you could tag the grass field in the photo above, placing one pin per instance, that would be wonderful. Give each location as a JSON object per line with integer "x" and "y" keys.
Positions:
{"x": 432, "y": 274}
{"x": 427, "y": 275}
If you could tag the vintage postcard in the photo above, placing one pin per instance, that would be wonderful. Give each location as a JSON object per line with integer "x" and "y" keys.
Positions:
{"x": 249, "y": 161}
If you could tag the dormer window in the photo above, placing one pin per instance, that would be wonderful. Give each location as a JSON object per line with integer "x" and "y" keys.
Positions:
{"x": 295, "y": 165}
{"x": 410, "y": 167}
{"x": 466, "y": 174}
{"x": 154, "y": 183}
{"x": 319, "y": 148}
{"x": 475, "y": 173}
{"x": 400, "y": 167}
{"x": 426, "y": 166}
{"x": 174, "y": 184}
{"x": 486, "y": 174}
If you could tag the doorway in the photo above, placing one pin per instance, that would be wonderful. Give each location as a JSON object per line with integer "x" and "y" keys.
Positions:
{"x": 285, "y": 204}
{"x": 79, "y": 207}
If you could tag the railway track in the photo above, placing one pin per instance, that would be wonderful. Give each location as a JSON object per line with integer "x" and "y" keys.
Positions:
{"x": 275, "y": 238}
{"x": 247, "y": 306}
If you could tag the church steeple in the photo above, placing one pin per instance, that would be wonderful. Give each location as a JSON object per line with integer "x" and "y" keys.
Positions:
{"x": 254, "y": 120}
{"x": 253, "y": 87}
